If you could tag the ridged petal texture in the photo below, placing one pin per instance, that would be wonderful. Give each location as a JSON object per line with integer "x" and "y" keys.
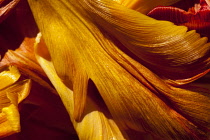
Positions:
{"x": 196, "y": 18}
{"x": 144, "y": 6}
{"x": 11, "y": 94}
{"x": 94, "y": 125}
{"x": 167, "y": 49}
{"x": 93, "y": 56}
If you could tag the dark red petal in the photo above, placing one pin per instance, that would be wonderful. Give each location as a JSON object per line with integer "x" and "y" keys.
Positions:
{"x": 194, "y": 20}
{"x": 185, "y": 4}
{"x": 169, "y": 13}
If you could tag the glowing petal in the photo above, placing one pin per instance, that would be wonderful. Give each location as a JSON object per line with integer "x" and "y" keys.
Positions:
{"x": 9, "y": 121}
{"x": 11, "y": 93}
{"x": 8, "y": 76}
{"x": 94, "y": 125}
{"x": 167, "y": 49}
{"x": 131, "y": 92}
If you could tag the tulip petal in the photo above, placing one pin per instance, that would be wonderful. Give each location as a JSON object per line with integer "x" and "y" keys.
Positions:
{"x": 80, "y": 88}
{"x": 132, "y": 93}
{"x": 8, "y": 76}
{"x": 144, "y": 6}
{"x": 11, "y": 93}
{"x": 167, "y": 49}
{"x": 24, "y": 59}
{"x": 9, "y": 121}
{"x": 91, "y": 126}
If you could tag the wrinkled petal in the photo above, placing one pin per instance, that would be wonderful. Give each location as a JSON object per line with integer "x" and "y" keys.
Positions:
{"x": 10, "y": 97}
{"x": 131, "y": 92}
{"x": 9, "y": 121}
{"x": 8, "y": 76}
{"x": 195, "y": 18}
{"x": 167, "y": 49}
{"x": 24, "y": 59}
{"x": 144, "y": 6}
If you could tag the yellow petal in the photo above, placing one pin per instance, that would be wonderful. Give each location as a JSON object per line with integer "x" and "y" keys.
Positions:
{"x": 92, "y": 125}
{"x": 11, "y": 94}
{"x": 9, "y": 121}
{"x": 167, "y": 49}
{"x": 14, "y": 94}
{"x": 19, "y": 91}
{"x": 8, "y": 76}
{"x": 24, "y": 59}
{"x": 80, "y": 88}
{"x": 76, "y": 44}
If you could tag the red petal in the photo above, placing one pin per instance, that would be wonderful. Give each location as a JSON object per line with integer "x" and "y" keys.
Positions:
{"x": 194, "y": 20}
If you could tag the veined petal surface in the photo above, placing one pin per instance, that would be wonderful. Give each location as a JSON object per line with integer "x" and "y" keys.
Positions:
{"x": 10, "y": 96}
{"x": 78, "y": 43}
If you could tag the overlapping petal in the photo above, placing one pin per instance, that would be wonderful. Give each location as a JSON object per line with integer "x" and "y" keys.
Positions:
{"x": 11, "y": 94}
{"x": 144, "y": 6}
{"x": 136, "y": 98}
{"x": 169, "y": 50}
{"x": 94, "y": 124}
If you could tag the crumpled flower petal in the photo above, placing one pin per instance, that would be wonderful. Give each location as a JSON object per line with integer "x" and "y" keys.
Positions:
{"x": 10, "y": 96}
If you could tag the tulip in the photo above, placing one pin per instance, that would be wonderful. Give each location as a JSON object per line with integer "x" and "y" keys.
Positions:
{"x": 120, "y": 73}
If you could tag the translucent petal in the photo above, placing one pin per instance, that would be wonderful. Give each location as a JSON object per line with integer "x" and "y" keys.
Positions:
{"x": 92, "y": 125}
{"x": 8, "y": 76}
{"x": 11, "y": 93}
{"x": 131, "y": 92}
{"x": 167, "y": 49}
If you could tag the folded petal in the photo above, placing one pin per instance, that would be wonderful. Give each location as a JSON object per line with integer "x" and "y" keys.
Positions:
{"x": 144, "y": 6}
{"x": 8, "y": 76}
{"x": 94, "y": 125}
{"x": 167, "y": 49}
{"x": 131, "y": 92}
{"x": 9, "y": 121}
{"x": 10, "y": 96}
{"x": 24, "y": 59}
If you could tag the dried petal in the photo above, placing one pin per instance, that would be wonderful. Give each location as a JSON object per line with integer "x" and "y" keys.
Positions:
{"x": 11, "y": 94}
